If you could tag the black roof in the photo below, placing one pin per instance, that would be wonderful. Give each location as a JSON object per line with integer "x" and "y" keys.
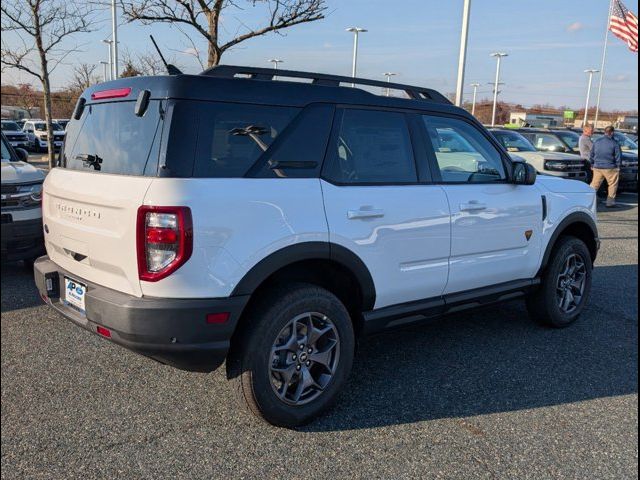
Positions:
{"x": 259, "y": 86}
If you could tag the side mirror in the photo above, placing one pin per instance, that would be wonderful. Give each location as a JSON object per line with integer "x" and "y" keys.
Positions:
{"x": 524, "y": 174}
{"x": 22, "y": 154}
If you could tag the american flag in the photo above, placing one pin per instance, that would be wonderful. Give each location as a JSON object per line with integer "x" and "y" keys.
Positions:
{"x": 624, "y": 25}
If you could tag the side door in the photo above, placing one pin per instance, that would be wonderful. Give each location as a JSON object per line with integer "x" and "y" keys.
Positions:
{"x": 495, "y": 225}
{"x": 380, "y": 204}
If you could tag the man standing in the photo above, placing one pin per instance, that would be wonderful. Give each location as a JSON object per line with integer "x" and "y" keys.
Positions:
{"x": 586, "y": 145}
{"x": 606, "y": 159}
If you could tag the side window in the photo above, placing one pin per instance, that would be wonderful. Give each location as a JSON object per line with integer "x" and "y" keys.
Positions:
{"x": 462, "y": 152}
{"x": 231, "y": 137}
{"x": 371, "y": 147}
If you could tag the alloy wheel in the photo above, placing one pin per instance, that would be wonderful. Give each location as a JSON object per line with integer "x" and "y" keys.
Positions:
{"x": 571, "y": 283}
{"x": 304, "y": 358}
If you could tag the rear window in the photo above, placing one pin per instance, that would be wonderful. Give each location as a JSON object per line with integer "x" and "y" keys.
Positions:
{"x": 10, "y": 126}
{"x": 110, "y": 138}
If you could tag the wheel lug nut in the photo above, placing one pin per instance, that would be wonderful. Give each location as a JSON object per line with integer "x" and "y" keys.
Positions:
{"x": 295, "y": 357}
{"x": 301, "y": 347}
{"x": 308, "y": 363}
{"x": 310, "y": 350}
{"x": 297, "y": 367}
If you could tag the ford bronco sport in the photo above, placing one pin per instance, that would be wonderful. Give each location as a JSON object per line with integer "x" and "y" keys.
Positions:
{"x": 270, "y": 223}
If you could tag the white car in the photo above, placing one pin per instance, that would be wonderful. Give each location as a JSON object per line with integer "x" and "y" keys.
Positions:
{"x": 36, "y": 131}
{"x": 22, "y": 236}
{"x": 202, "y": 218}
{"x": 14, "y": 134}
{"x": 565, "y": 165}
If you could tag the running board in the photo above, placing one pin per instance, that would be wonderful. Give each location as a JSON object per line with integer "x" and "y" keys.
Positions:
{"x": 418, "y": 311}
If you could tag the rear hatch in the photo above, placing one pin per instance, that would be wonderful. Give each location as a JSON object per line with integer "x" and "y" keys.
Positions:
{"x": 108, "y": 162}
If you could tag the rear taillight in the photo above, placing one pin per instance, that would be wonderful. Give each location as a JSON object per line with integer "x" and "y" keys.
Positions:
{"x": 164, "y": 240}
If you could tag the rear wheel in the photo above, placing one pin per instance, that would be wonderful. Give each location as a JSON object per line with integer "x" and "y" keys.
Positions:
{"x": 295, "y": 355}
{"x": 566, "y": 285}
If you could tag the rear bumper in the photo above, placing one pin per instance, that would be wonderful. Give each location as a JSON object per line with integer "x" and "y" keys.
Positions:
{"x": 171, "y": 331}
{"x": 21, "y": 240}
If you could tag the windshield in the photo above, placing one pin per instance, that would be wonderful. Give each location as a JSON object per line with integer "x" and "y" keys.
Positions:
{"x": 10, "y": 126}
{"x": 546, "y": 141}
{"x": 514, "y": 142}
{"x": 6, "y": 156}
{"x": 451, "y": 141}
{"x": 570, "y": 138}
{"x": 42, "y": 127}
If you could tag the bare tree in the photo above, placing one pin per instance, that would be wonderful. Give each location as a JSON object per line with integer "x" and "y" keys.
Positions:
{"x": 148, "y": 63}
{"x": 83, "y": 77}
{"x": 41, "y": 29}
{"x": 204, "y": 17}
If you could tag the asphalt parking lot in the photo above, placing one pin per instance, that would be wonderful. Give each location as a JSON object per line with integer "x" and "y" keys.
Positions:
{"x": 480, "y": 395}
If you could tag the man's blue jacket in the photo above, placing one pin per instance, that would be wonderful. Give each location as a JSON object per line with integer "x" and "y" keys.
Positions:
{"x": 606, "y": 153}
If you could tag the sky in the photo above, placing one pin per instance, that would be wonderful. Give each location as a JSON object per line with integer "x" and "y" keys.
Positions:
{"x": 550, "y": 43}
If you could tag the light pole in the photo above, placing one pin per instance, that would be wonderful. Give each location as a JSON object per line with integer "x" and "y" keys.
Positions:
{"x": 109, "y": 42}
{"x": 356, "y": 32}
{"x": 275, "y": 62}
{"x": 475, "y": 95}
{"x": 589, "y": 72}
{"x": 499, "y": 56}
{"x": 114, "y": 37}
{"x": 389, "y": 75}
{"x": 105, "y": 71}
{"x": 463, "y": 52}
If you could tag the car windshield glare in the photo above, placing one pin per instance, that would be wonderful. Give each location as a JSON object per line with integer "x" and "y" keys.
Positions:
{"x": 514, "y": 142}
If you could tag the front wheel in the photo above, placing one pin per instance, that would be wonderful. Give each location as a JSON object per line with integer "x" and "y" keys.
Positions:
{"x": 296, "y": 354}
{"x": 566, "y": 285}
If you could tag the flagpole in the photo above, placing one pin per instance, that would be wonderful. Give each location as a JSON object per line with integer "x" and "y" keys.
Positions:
{"x": 604, "y": 60}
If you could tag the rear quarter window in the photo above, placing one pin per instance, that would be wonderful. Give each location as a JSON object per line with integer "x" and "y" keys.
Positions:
{"x": 232, "y": 137}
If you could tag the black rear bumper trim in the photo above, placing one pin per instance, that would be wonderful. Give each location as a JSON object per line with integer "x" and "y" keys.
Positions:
{"x": 171, "y": 331}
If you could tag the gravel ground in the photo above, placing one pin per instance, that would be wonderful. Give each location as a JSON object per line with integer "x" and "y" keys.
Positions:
{"x": 480, "y": 395}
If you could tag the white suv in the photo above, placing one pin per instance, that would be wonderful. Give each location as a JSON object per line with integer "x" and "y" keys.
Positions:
{"x": 36, "y": 131}
{"x": 227, "y": 215}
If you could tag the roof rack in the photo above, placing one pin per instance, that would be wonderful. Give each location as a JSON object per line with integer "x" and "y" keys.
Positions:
{"x": 257, "y": 73}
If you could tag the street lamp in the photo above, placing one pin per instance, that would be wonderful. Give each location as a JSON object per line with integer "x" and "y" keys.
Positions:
{"x": 475, "y": 95}
{"x": 499, "y": 56}
{"x": 463, "y": 52}
{"x": 105, "y": 71}
{"x": 275, "y": 62}
{"x": 109, "y": 42}
{"x": 589, "y": 72}
{"x": 356, "y": 32}
{"x": 389, "y": 75}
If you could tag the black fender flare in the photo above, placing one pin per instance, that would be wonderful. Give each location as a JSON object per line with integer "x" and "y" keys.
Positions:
{"x": 309, "y": 251}
{"x": 571, "y": 219}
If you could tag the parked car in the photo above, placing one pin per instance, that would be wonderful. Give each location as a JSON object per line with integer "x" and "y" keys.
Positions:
{"x": 229, "y": 215}
{"x": 14, "y": 134}
{"x": 36, "y": 131}
{"x": 22, "y": 237}
{"x": 552, "y": 163}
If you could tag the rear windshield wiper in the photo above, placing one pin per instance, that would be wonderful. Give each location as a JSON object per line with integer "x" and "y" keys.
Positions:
{"x": 89, "y": 160}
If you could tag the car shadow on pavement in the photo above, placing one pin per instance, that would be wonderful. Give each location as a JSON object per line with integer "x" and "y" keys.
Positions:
{"x": 494, "y": 360}
{"x": 18, "y": 288}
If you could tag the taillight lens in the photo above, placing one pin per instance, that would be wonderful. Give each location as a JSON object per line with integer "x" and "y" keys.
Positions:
{"x": 164, "y": 240}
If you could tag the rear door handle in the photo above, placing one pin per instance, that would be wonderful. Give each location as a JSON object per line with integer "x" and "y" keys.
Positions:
{"x": 365, "y": 213}
{"x": 473, "y": 206}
